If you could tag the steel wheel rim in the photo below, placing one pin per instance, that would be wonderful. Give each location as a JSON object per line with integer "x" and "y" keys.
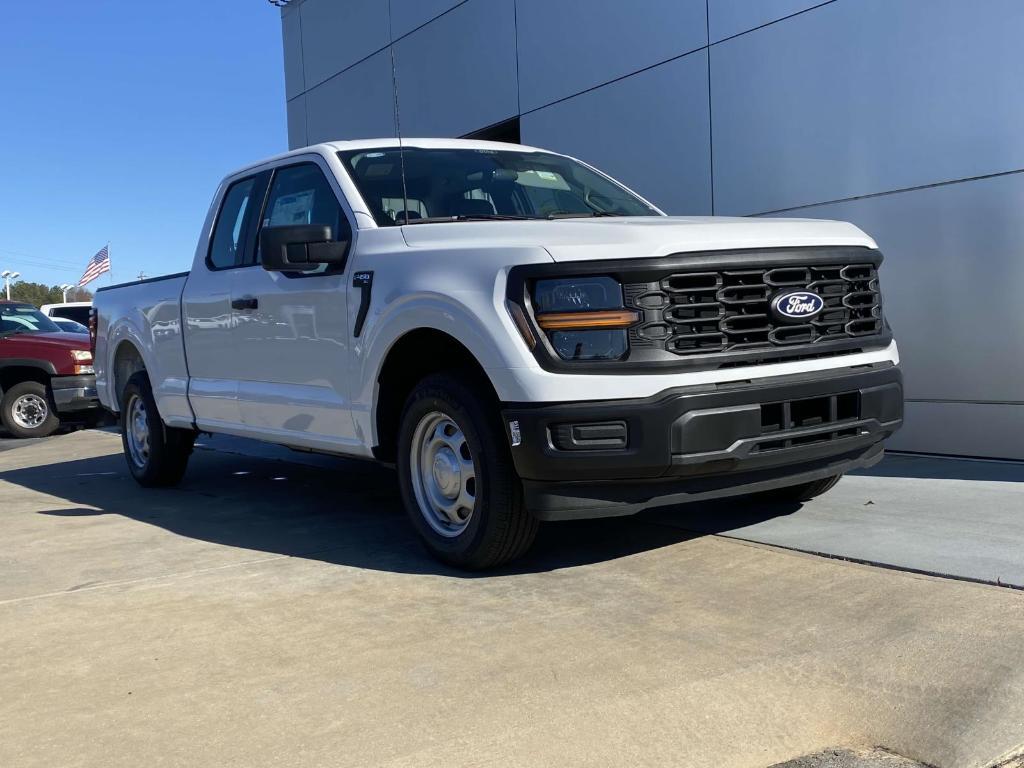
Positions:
{"x": 137, "y": 431}
{"x": 444, "y": 475}
{"x": 30, "y": 411}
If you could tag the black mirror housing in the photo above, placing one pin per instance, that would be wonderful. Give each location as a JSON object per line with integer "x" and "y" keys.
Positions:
{"x": 301, "y": 248}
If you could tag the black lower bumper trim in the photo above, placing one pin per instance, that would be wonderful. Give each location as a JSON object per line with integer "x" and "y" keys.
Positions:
{"x": 781, "y": 426}
{"x": 74, "y": 393}
{"x": 579, "y": 501}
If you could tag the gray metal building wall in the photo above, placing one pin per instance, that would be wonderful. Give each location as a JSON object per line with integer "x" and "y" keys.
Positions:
{"x": 903, "y": 116}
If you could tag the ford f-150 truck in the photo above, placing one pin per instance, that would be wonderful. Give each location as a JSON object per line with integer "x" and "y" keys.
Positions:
{"x": 523, "y": 337}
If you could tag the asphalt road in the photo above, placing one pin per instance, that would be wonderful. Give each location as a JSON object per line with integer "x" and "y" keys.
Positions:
{"x": 275, "y": 609}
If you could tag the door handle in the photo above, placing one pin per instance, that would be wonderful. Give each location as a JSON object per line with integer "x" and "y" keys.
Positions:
{"x": 245, "y": 302}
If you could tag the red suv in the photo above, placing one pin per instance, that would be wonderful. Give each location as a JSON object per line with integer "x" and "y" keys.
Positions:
{"x": 46, "y": 375}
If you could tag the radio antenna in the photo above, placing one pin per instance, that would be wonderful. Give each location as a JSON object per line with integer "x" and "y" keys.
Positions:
{"x": 398, "y": 122}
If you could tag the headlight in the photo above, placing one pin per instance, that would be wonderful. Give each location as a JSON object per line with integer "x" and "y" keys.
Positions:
{"x": 584, "y": 317}
{"x": 81, "y": 355}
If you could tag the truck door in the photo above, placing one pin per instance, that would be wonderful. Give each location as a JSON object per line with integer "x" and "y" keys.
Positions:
{"x": 291, "y": 336}
{"x": 206, "y": 305}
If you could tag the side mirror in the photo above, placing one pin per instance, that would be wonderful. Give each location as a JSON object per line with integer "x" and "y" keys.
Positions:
{"x": 301, "y": 248}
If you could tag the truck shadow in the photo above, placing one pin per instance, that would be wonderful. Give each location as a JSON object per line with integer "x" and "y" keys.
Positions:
{"x": 337, "y": 511}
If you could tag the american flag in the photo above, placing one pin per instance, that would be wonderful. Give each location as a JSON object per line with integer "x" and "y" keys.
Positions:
{"x": 98, "y": 264}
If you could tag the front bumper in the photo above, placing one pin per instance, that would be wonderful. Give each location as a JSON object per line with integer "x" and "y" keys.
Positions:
{"x": 73, "y": 394}
{"x": 594, "y": 459}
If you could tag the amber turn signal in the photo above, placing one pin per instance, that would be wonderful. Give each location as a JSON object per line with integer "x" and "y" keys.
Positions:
{"x": 571, "y": 321}
{"x": 524, "y": 327}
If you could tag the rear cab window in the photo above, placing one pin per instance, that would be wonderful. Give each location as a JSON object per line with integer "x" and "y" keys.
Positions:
{"x": 78, "y": 314}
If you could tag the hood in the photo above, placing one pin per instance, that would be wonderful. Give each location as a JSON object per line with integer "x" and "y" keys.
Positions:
{"x": 52, "y": 340}
{"x": 637, "y": 237}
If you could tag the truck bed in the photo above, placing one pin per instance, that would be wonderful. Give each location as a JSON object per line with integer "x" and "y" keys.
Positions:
{"x": 147, "y": 312}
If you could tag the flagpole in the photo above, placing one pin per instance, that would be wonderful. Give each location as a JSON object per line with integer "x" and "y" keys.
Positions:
{"x": 110, "y": 264}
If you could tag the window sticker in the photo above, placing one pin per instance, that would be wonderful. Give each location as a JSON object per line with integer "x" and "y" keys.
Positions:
{"x": 291, "y": 209}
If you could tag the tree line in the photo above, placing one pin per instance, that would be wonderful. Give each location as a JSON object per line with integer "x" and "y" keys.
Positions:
{"x": 39, "y": 294}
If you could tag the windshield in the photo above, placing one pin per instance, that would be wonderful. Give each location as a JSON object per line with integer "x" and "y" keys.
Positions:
{"x": 446, "y": 184}
{"x": 24, "y": 318}
{"x": 70, "y": 326}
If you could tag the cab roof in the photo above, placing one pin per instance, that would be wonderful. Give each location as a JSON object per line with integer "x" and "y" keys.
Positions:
{"x": 330, "y": 147}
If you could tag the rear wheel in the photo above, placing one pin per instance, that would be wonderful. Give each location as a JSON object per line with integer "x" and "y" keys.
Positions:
{"x": 157, "y": 454}
{"x": 458, "y": 483}
{"x": 800, "y": 493}
{"x": 26, "y": 410}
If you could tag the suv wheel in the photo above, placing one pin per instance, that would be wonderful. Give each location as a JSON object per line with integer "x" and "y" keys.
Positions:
{"x": 26, "y": 410}
{"x": 456, "y": 476}
{"x": 157, "y": 454}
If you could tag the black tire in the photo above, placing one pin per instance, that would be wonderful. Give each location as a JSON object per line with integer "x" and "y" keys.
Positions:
{"x": 800, "y": 493}
{"x": 23, "y": 405}
{"x": 168, "y": 449}
{"x": 499, "y": 528}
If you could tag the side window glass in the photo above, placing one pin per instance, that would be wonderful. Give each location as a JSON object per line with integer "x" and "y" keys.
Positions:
{"x": 301, "y": 194}
{"x": 228, "y": 233}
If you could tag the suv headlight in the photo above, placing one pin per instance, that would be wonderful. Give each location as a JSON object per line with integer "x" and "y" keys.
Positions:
{"x": 584, "y": 317}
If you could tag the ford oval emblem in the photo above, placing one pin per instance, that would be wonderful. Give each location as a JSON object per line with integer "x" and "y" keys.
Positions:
{"x": 797, "y": 306}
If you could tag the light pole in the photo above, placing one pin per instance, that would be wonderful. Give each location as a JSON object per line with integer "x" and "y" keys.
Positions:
{"x": 9, "y": 277}
{"x": 64, "y": 291}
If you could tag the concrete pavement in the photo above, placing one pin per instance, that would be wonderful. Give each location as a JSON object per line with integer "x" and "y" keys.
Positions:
{"x": 8, "y": 443}
{"x": 960, "y": 518}
{"x": 269, "y": 612}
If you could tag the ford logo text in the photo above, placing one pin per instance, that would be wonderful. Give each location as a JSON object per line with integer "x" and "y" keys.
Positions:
{"x": 797, "y": 305}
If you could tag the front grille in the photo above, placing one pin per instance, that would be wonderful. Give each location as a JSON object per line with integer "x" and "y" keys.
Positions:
{"x": 707, "y": 312}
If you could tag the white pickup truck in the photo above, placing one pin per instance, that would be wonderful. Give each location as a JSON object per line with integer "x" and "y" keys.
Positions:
{"x": 523, "y": 337}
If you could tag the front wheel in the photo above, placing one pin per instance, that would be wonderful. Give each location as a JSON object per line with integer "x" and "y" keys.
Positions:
{"x": 157, "y": 454}
{"x": 26, "y": 410}
{"x": 458, "y": 483}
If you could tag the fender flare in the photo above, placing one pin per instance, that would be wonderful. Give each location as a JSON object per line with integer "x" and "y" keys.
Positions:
{"x": 438, "y": 313}
{"x": 26, "y": 362}
{"x": 124, "y": 333}
{"x": 488, "y": 344}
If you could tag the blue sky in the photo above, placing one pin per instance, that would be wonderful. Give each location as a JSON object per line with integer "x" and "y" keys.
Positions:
{"x": 118, "y": 119}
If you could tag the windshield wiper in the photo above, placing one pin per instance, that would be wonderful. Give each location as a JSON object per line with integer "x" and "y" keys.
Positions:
{"x": 581, "y": 214}
{"x": 468, "y": 217}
